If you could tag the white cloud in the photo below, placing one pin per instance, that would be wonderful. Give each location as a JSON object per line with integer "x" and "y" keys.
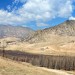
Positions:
{"x": 42, "y": 24}
{"x": 37, "y": 10}
{"x": 66, "y": 9}
{"x": 71, "y": 18}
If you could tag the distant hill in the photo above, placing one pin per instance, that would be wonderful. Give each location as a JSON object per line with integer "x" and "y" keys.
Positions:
{"x": 15, "y": 31}
{"x": 64, "y": 29}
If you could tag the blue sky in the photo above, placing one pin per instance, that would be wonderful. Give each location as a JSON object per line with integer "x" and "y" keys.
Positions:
{"x": 36, "y": 14}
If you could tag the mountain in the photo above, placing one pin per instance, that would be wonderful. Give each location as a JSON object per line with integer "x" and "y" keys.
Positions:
{"x": 57, "y": 40}
{"x": 59, "y": 32}
{"x": 54, "y": 33}
{"x": 15, "y": 31}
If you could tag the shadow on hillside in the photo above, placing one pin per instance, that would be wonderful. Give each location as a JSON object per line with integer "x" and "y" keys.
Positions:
{"x": 49, "y": 61}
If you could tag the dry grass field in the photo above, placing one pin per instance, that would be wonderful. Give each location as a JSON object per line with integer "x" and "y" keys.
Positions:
{"x": 9, "y": 67}
{"x": 55, "y": 47}
{"x": 64, "y": 47}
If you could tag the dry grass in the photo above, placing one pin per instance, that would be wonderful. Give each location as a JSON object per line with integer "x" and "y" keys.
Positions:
{"x": 8, "y": 67}
{"x": 55, "y": 45}
{"x": 44, "y": 48}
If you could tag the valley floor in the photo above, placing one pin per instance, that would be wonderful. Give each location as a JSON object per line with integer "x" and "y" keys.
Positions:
{"x": 44, "y": 48}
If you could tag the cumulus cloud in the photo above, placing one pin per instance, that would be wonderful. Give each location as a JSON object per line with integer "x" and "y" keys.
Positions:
{"x": 71, "y": 18}
{"x": 37, "y": 10}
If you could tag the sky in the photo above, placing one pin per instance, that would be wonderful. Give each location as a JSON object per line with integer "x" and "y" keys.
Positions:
{"x": 36, "y": 14}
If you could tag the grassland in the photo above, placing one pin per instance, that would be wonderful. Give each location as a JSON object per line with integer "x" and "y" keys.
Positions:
{"x": 8, "y": 67}
{"x": 56, "y": 45}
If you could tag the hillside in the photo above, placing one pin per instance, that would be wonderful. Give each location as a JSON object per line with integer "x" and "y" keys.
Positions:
{"x": 57, "y": 40}
{"x": 63, "y": 30}
{"x": 9, "y": 67}
{"x": 15, "y": 31}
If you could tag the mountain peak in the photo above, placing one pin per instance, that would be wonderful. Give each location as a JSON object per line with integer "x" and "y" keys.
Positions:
{"x": 70, "y": 21}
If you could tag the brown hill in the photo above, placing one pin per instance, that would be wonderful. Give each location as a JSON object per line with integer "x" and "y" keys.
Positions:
{"x": 15, "y": 31}
{"x": 62, "y": 30}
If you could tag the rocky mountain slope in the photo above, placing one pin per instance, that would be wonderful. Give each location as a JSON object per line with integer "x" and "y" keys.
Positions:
{"x": 63, "y": 30}
{"x": 15, "y": 31}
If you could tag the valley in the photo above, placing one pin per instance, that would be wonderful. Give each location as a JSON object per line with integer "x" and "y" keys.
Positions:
{"x": 52, "y": 50}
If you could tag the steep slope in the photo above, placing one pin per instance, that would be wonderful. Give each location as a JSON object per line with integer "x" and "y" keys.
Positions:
{"x": 15, "y": 31}
{"x": 47, "y": 35}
